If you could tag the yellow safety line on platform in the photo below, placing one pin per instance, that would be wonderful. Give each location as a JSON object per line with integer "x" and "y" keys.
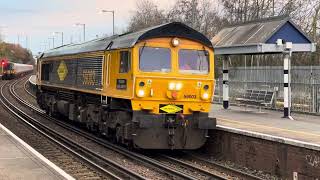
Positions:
{"x": 275, "y": 128}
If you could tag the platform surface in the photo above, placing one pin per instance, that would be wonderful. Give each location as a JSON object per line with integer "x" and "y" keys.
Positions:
{"x": 32, "y": 79}
{"x": 19, "y": 162}
{"x": 304, "y": 128}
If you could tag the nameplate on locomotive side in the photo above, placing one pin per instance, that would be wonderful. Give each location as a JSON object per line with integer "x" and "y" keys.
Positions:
{"x": 88, "y": 77}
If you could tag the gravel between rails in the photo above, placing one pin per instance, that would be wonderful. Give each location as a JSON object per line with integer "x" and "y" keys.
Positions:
{"x": 235, "y": 171}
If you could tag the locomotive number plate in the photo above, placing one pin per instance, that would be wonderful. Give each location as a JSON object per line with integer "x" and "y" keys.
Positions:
{"x": 170, "y": 108}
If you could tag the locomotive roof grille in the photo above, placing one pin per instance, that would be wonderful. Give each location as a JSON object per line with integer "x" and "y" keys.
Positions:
{"x": 173, "y": 29}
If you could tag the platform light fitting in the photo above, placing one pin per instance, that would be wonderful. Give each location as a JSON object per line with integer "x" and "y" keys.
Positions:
{"x": 279, "y": 42}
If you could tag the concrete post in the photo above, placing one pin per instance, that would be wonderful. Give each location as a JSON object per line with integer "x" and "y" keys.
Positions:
{"x": 287, "y": 83}
{"x": 225, "y": 69}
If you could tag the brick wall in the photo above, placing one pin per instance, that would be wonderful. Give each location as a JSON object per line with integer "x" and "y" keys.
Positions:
{"x": 275, "y": 158}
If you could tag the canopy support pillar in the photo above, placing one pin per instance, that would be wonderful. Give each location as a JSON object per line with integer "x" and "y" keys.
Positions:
{"x": 225, "y": 81}
{"x": 287, "y": 84}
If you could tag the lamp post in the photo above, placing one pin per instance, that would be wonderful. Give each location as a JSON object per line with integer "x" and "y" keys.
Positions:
{"x": 84, "y": 30}
{"x": 107, "y": 11}
{"x": 61, "y": 36}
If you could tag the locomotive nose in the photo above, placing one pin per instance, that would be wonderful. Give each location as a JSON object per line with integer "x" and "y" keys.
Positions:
{"x": 174, "y": 89}
{"x": 174, "y": 94}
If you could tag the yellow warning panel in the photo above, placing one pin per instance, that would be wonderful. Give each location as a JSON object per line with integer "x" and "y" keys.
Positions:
{"x": 171, "y": 108}
{"x": 62, "y": 71}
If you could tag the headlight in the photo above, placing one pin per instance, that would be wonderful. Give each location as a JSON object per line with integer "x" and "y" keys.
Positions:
{"x": 178, "y": 86}
{"x": 205, "y": 96}
{"x": 140, "y": 93}
{"x": 175, "y": 42}
{"x": 172, "y": 86}
{"x": 175, "y": 86}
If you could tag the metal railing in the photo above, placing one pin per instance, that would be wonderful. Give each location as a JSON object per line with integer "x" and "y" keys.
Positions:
{"x": 305, "y": 85}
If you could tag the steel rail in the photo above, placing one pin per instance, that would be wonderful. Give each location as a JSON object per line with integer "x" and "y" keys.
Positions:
{"x": 185, "y": 165}
{"x": 229, "y": 170}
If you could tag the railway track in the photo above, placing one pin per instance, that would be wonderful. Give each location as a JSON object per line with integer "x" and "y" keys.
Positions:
{"x": 188, "y": 160}
{"x": 228, "y": 170}
{"x": 54, "y": 145}
{"x": 172, "y": 173}
{"x": 188, "y": 168}
{"x": 163, "y": 167}
{"x": 174, "y": 167}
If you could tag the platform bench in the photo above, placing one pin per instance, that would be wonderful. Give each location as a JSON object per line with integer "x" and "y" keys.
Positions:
{"x": 257, "y": 98}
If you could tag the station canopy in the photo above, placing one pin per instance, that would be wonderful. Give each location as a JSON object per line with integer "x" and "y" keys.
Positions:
{"x": 260, "y": 37}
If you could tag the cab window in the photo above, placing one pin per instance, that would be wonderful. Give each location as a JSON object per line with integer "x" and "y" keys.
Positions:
{"x": 46, "y": 69}
{"x": 193, "y": 61}
{"x": 153, "y": 59}
{"x": 125, "y": 59}
{"x": 8, "y": 66}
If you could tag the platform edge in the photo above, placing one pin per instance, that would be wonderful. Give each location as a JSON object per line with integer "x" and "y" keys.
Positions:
{"x": 37, "y": 154}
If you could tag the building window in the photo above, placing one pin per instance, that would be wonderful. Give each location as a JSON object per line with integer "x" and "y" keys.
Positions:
{"x": 125, "y": 58}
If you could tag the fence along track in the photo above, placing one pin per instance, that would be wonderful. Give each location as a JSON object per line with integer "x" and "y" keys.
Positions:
{"x": 81, "y": 152}
{"x": 305, "y": 84}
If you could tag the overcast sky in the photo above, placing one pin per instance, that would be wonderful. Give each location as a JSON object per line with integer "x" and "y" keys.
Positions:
{"x": 38, "y": 19}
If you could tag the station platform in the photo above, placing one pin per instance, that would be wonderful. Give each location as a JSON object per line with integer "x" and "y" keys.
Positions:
{"x": 20, "y": 161}
{"x": 33, "y": 80}
{"x": 303, "y": 131}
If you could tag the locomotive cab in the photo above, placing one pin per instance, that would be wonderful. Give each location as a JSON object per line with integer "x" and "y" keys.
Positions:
{"x": 173, "y": 87}
{"x": 8, "y": 71}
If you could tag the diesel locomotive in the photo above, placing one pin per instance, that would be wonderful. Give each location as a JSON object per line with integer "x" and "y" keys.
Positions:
{"x": 149, "y": 89}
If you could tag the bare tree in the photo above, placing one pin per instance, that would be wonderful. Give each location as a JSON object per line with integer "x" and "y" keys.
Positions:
{"x": 187, "y": 11}
{"x": 248, "y": 10}
{"x": 147, "y": 14}
{"x": 201, "y": 15}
